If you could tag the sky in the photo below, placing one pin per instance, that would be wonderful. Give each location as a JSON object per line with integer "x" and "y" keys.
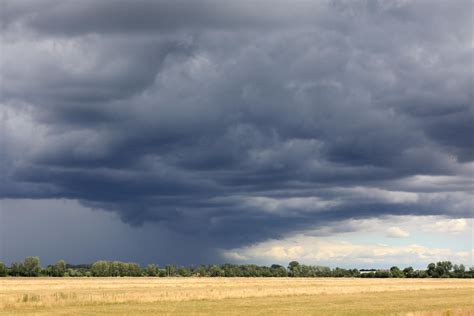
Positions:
{"x": 333, "y": 133}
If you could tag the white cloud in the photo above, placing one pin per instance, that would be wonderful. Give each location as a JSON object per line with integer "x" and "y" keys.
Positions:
{"x": 286, "y": 253}
{"x": 380, "y": 195}
{"x": 450, "y": 226}
{"x": 397, "y": 232}
{"x": 315, "y": 250}
{"x": 286, "y": 206}
{"x": 233, "y": 255}
{"x": 392, "y": 226}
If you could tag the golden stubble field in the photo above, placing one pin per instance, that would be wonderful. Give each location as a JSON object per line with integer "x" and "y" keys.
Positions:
{"x": 235, "y": 296}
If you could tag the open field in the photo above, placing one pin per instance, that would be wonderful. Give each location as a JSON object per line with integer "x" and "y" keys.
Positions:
{"x": 235, "y": 296}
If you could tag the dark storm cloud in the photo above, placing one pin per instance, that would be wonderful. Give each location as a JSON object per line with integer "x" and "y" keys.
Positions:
{"x": 67, "y": 18}
{"x": 237, "y": 122}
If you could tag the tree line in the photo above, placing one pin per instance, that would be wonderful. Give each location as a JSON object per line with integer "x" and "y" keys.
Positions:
{"x": 31, "y": 267}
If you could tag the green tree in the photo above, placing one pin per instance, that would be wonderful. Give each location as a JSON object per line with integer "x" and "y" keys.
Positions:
{"x": 443, "y": 268}
{"x": 170, "y": 270}
{"x": 100, "y": 269}
{"x": 306, "y": 271}
{"x": 322, "y": 271}
{"x": 152, "y": 270}
{"x": 202, "y": 271}
{"x": 395, "y": 272}
{"x": 459, "y": 271}
{"x": 116, "y": 268}
{"x": 133, "y": 269}
{"x": 382, "y": 274}
{"x": 231, "y": 270}
{"x": 17, "y": 269}
{"x": 431, "y": 270}
{"x": 294, "y": 269}
{"x": 408, "y": 272}
{"x": 59, "y": 268}
{"x": 278, "y": 270}
{"x": 32, "y": 266}
{"x": 216, "y": 271}
{"x": 184, "y": 272}
{"x": 3, "y": 269}
{"x": 420, "y": 274}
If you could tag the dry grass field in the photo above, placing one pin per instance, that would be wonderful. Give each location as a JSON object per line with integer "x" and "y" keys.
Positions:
{"x": 235, "y": 296}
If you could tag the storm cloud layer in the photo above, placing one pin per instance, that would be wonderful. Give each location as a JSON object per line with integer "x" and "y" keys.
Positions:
{"x": 238, "y": 122}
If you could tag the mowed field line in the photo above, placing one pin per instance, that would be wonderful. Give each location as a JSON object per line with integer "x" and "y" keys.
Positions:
{"x": 234, "y": 296}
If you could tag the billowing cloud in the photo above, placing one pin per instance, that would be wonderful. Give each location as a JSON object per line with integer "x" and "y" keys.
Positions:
{"x": 360, "y": 243}
{"x": 453, "y": 226}
{"x": 316, "y": 251}
{"x": 397, "y": 232}
{"x": 238, "y": 122}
